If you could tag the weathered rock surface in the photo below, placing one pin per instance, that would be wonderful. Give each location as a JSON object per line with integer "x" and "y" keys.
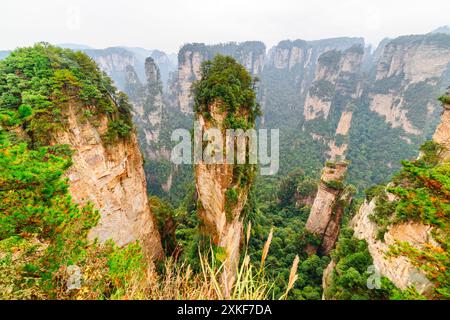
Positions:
{"x": 336, "y": 89}
{"x": 442, "y": 134}
{"x": 149, "y": 109}
{"x": 407, "y": 71}
{"x": 224, "y": 225}
{"x": 328, "y": 208}
{"x": 112, "y": 178}
{"x": 398, "y": 269}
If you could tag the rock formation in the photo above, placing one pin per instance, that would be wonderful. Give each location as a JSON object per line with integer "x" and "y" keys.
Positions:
{"x": 222, "y": 184}
{"x": 409, "y": 74}
{"x": 114, "y": 62}
{"x": 334, "y": 93}
{"x": 112, "y": 178}
{"x": 399, "y": 269}
{"x": 442, "y": 133}
{"x": 222, "y": 200}
{"x": 250, "y": 54}
{"x": 328, "y": 208}
{"x": 149, "y": 109}
{"x": 288, "y": 54}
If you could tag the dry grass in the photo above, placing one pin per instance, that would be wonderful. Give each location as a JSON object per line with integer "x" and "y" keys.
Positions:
{"x": 177, "y": 281}
{"x": 251, "y": 283}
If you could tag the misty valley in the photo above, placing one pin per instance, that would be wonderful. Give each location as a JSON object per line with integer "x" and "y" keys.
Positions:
{"x": 122, "y": 176}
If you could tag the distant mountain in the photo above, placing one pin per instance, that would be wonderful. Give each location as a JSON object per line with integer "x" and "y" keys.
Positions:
{"x": 139, "y": 51}
{"x": 74, "y": 46}
{"x": 443, "y": 29}
{"x": 4, "y": 54}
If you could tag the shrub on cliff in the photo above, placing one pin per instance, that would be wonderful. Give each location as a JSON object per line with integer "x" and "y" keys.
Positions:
{"x": 43, "y": 233}
{"x": 225, "y": 81}
{"x": 39, "y": 82}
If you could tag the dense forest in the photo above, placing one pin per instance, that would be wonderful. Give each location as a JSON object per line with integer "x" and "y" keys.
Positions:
{"x": 44, "y": 232}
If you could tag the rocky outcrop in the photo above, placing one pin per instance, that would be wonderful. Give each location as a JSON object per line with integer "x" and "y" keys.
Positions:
{"x": 409, "y": 74}
{"x": 221, "y": 202}
{"x": 417, "y": 234}
{"x": 165, "y": 65}
{"x": 289, "y": 54}
{"x": 114, "y": 62}
{"x": 112, "y": 179}
{"x": 328, "y": 208}
{"x": 334, "y": 93}
{"x": 442, "y": 134}
{"x": 300, "y": 58}
{"x": 336, "y": 74}
{"x": 250, "y": 54}
{"x": 149, "y": 109}
{"x": 392, "y": 89}
{"x": 398, "y": 269}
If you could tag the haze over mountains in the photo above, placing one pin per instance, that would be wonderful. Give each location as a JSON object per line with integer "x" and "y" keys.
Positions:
{"x": 82, "y": 160}
{"x": 332, "y": 98}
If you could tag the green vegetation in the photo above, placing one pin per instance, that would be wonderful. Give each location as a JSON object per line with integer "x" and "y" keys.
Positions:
{"x": 287, "y": 213}
{"x": 323, "y": 89}
{"x": 421, "y": 190}
{"x": 445, "y": 99}
{"x": 42, "y": 231}
{"x": 334, "y": 184}
{"x": 226, "y": 82}
{"x": 231, "y": 198}
{"x": 352, "y": 273}
{"x": 331, "y": 59}
{"x": 416, "y": 97}
{"x": 39, "y": 84}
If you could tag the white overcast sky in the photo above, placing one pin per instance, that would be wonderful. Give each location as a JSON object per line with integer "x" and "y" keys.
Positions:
{"x": 167, "y": 24}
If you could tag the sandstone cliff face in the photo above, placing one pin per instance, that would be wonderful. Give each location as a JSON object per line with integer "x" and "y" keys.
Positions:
{"x": 328, "y": 208}
{"x": 336, "y": 73}
{"x": 442, "y": 134}
{"x": 300, "y": 58}
{"x": 149, "y": 109}
{"x": 398, "y": 269}
{"x": 220, "y": 214}
{"x": 114, "y": 62}
{"x": 288, "y": 54}
{"x": 409, "y": 74}
{"x": 112, "y": 178}
{"x": 334, "y": 93}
